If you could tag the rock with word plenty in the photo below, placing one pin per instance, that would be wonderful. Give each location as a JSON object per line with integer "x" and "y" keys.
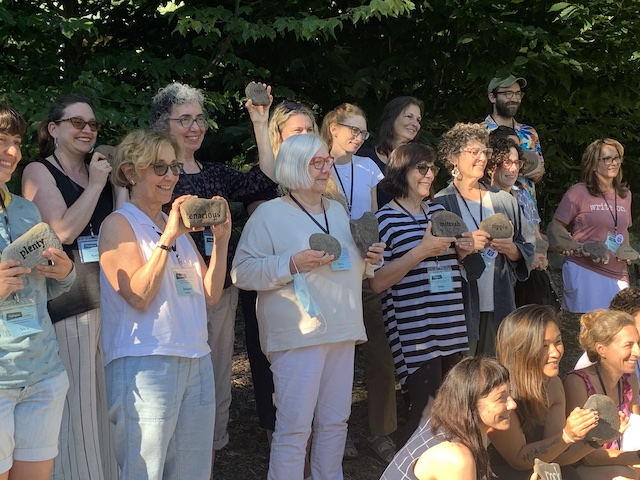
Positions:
{"x": 609, "y": 421}
{"x": 364, "y": 231}
{"x": 28, "y": 248}
{"x": 497, "y": 226}
{"x": 108, "y": 151}
{"x": 598, "y": 251}
{"x": 257, "y": 93}
{"x": 547, "y": 471}
{"x": 202, "y": 212}
{"x": 626, "y": 252}
{"x": 325, "y": 243}
{"x": 560, "y": 239}
{"x": 531, "y": 161}
{"x": 542, "y": 246}
{"x": 447, "y": 224}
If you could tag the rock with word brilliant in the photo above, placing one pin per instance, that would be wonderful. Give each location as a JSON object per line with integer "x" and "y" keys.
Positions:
{"x": 597, "y": 251}
{"x": 364, "y": 231}
{"x": 626, "y": 252}
{"x": 560, "y": 239}
{"x": 547, "y": 471}
{"x": 609, "y": 421}
{"x": 202, "y": 212}
{"x": 447, "y": 224}
{"x": 107, "y": 151}
{"x": 325, "y": 243}
{"x": 497, "y": 226}
{"x": 257, "y": 93}
{"x": 28, "y": 248}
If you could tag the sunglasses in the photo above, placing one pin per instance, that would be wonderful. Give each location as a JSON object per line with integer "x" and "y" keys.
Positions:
{"x": 162, "y": 168}
{"x": 423, "y": 168}
{"x": 319, "y": 162}
{"x": 79, "y": 123}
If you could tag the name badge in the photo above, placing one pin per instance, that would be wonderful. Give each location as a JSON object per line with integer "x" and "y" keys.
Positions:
{"x": 614, "y": 241}
{"x": 88, "y": 247}
{"x": 488, "y": 255}
{"x": 208, "y": 243}
{"x": 343, "y": 262}
{"x": 186, "y": 281}
{"x": 440, "y": 280}
{"x": 21, "y": 319}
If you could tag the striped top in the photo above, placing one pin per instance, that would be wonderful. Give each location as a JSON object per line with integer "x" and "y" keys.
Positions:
{"x": 420, "y": 324}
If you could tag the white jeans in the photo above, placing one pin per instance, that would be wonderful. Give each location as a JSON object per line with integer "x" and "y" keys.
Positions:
{"x": 312, "y": 385}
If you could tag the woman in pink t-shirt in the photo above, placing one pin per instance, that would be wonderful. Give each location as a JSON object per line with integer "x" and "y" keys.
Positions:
{"x": 598, "y": 209}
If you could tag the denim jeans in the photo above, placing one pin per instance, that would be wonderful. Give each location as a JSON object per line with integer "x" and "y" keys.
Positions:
{"x": 163, "y": 411}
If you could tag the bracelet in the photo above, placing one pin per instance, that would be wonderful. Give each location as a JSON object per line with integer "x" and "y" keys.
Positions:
{"x": 567, "y": 437}
{"x": 163, "y": 247}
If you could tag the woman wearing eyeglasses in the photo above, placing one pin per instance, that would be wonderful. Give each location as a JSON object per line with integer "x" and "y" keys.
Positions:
{"x": 308, "y": 309}
{"x": 179, "y": 110}
{"x": 154, "y": 288}
{"x": 70, "y": 187}
{"x": 598, "y": 209}
{"x": 422, "y": 303}
{"x": 490, "y": 298}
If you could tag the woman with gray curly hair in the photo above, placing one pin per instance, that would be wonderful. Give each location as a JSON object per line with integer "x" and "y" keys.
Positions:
{"x": 489, "y": 299}
{"x": 179, "y": 110}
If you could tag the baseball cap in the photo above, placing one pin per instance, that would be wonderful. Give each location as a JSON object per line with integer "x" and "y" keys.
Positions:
{"x": 505, "y": 82}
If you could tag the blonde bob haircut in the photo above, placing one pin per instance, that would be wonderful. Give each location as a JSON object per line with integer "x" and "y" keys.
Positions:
{"x": 292, "y": 162}
{"x": 137, "y": 151}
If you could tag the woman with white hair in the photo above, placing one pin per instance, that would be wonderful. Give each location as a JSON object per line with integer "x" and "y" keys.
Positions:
{"x": 309, "y": 308}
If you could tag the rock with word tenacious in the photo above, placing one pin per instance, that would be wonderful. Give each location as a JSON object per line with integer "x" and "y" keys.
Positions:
{"x": 626, "y": 252}
{"x": 107, "y": 151}
{"x": 560, "y": 239}
{"x": 257, "y": 93}
{"x": 547, "y": 471}
{"x": 447, "y": 224}
{"x": 203, "y": 212}
{"x": 598, "y": 251}
{"x": 497, "y": 226}
{"x": 325, "y": 243}
{"x": 28, "y": 248}
{"x": 609, "y": 421}
{"x": 364, "y": 231}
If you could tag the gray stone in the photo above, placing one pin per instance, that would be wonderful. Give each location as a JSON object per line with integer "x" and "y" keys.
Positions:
{"x": 28, "y": 248}
{"x": 364, "y": 231}
{"x": 497, "y": 226}
{"x": 325, "y": 243}
{"x": 626, "y": 252}
{"x": 547, "y": 471}
{"x": 609, "y": 421}
{"x": 541, "y": 246}
{"x": 108, "y": 151}
{"x": 597, "y": 251}
{"x": 560, "y": 239}
{"x": 203, "y": 212}
{"x": 257, "y": 93}
{"x": 531, "y": 161}
{"x": 447, "y": 224}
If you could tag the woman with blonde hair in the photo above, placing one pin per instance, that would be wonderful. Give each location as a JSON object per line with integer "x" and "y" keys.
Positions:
{"x": 610, "y": 339}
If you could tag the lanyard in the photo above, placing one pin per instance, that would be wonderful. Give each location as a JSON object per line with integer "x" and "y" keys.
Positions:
{"x": 188, "y": 177}
{"x": 467, "y": 205}
{"x": 74, "y": 185}
{"x": 326, "y": 222}
{"x": 615, "y": 205}
{"x": 6, "y": 216}
{"x": 350, "y": 200}
{"x": 409, "y": 213}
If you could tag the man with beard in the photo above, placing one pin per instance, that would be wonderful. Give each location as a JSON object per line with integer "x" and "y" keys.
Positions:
{"x": 505, "y": 94}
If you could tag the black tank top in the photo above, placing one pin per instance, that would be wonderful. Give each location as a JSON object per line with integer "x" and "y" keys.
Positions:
{"x": 85, "y": 291}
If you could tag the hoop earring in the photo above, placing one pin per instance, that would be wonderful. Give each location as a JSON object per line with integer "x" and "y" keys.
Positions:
{"x": 455, "y": 173}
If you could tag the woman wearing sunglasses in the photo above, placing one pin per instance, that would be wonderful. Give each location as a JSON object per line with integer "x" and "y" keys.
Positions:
{"x": 154, "y": 289}
{"x": 490, "y": 298}
{"x": 70, "y": 186}
{"x": 309, "y": 309}
{"x": 421, "y": 280}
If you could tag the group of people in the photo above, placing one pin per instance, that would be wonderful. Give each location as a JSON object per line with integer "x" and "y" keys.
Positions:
{"x": 145, "y": 332}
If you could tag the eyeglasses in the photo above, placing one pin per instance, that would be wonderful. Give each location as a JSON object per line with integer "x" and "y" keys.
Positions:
{"x": 79, "y": 123}
{"x": 162, "y": 168}
{"x": 609, "y": 160}
{"x": 319, "y": 162}
{"x": 511, "y": 163}
{"x": 423, "y": 168}
{"x": 510, "y": 94}
{"x": 475, "y": 152}
{"x": 355, "y": 131}
{"x": 187, "y": 121}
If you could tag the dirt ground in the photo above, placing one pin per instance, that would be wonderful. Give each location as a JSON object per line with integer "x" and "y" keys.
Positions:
{"x": 247, "y": 455}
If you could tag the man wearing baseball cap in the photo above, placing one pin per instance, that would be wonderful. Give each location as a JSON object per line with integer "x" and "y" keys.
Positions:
{"x": 505, "y": 94}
